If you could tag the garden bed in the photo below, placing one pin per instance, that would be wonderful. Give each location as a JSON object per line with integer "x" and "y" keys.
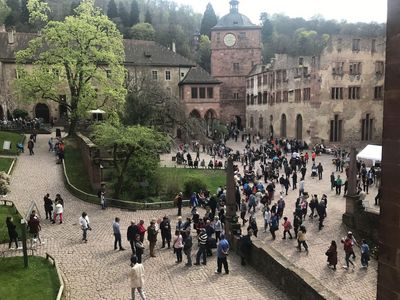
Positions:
{"x": 5, "y": 164}
{"x": 14, "y": 138}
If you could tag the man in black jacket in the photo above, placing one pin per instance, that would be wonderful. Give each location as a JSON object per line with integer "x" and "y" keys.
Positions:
{"x": 48, "y": 206}
{"x": 245, "y": 246}
{"x": 131, "y": 235}
{"x": 165, "y": 227}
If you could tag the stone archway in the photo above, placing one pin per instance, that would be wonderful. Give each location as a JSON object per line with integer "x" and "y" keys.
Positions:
{"x": 210, "y": 117}
{"x": 42, "y": 112}
{"x": 299, "y": 127}
{"x": 195, "y": 114}
{"x": 283, "y": 126}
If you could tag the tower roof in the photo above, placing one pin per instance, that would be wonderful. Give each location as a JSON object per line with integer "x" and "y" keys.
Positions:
{"x": 234, "y": 19}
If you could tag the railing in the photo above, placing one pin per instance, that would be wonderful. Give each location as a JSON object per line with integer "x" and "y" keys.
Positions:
{"x": 60, "y": 279}
{"x": 130, "y": 205}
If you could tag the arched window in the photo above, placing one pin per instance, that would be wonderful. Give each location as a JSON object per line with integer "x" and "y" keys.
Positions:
{"x": 260, "y": 123}
{"x": 299, "y": 127}
{"x": 283, "y": 126}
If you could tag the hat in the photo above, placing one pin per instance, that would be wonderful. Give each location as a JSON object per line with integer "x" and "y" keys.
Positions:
{"x": 350, "y": 233}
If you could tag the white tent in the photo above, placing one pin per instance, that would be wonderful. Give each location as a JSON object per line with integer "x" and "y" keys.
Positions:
{"x": 97, "y": 114}
{"x": 371, "y": 152}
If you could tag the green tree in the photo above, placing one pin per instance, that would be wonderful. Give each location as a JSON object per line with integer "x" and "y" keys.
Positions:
{"x": 4, "y": 11}
{"x": 15, "y": 11}
{"x": 123, "y": 14}
{"x": 148, "y": 18}
{"x": 81, "y": 57}
{"x": 267, "y": 28}
{"x": 24, "y": 18}
{"x": 204, "y": 53}
{"x": 209, "y": 21}
{"x": 126, "y": 143}
{"x": 112, "y": 11}
{"x": 38, "y": 13}
{"x": 134, "y": 13}
{"x": 143, "y": 31}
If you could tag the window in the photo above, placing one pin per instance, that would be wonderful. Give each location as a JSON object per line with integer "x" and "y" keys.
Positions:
{"x": 210, "y": 93}
{"x": 218, "y": 37}
{"x": 265, "y": 79}
{"x": 259, "y": 81}
{"x": 306, "y": 94}
{"x": 356, "y": 45}
{"x": 236, "y": 96}
{"x": 379, "y": 68}
{"x": 248, "y": 99}
{"x": 108, "y": 73}
{"x": 261, "y": 123}
{"x": 278, "y": 77}
{"x": 194, "y": 93}
{"x": 373, "y": 46}
{"x": 301, "y": 60}
{"x": 338, "y": 68}
{"x": 336, "y": 130}
{"x": 367, "y": 128}
{"x": 354, "y": 92}
{"x": 297, "y": 95}
{"x": 271, "y": 98}
{"x": 202, "y": 92}
{"x": 182, "y": 74}
{"x": 278, "y": 97}
{"x": 271, "y": 79}
{"x": 154, "y": 75}
{"x": 284, "y": 76}
{"x": 265, "y": 98}
{"x": 336, "y": 93}
{"x": 378, "y": 93}
{"x": 252, "y": 83}
{"x": 236, "y": 67}
{"x": 167, "y": 75}
{"x": 355, "y": 68}
{"x": 242, "y": 35}
{"x": 259, "y": 98}
{"x": 285, "y": 96}
{"x": 251, "y": 125}
{"x": 252, "y": 99}
{"x": 248, "y": 83}
{"x": 339, "y": 45}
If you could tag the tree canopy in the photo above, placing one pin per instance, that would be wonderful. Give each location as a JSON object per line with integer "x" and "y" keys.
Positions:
{"x": 80, "y": 57}
{"x": 4, "y": 11}
{"x": 143, "y": 31}
{"x": 208, "y": 21}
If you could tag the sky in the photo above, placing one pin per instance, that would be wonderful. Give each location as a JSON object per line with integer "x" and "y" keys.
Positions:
{"x": 350, "y": 10}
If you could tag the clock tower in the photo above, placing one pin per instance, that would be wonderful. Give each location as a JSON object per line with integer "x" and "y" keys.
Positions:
{"x": 235, "y": 49}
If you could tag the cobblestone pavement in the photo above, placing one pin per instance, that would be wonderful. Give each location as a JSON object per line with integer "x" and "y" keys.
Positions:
{"x": 352, "y": 284}
{"x": 94, "y": 270}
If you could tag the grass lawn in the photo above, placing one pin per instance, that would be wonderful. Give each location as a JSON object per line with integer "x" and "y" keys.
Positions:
{"x": 212, "y": 178}
{"x": 76, "y": 170}
{"x": 6, "y": 211}
{"x": 38, "y": 281}
{"x": 14, "y": 138}
{"x": 5, "y": 164}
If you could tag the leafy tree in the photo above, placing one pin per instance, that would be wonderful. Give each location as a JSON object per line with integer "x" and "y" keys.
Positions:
{"x": 80, "y": 57}
{"x": 204, "y": 53}
{"x": 267, "y": 28}
{"x": 74, "y": 5}
{"x": 123, "y": 14}
{"x": 112, "y": 11}
{"x": 148, "y": 18}
{"x": 134, "y": 14}
{"x": 24, "y": 18}
{"x": 38, "y": 13}
{"x": 143, "y": 31}
{"x": 15, "y": 11}
{"x": 209, "y": 21}
{"x": 4, "y": 11}
{"x": 127, "y": 143}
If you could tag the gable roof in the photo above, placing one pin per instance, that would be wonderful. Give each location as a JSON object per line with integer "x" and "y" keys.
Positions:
{"x": 150, "y": 53}
{"x": 197, "y": 75}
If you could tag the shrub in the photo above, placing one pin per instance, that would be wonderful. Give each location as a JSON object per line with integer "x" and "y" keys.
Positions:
{"x": 4, "y": 182}
{"x": 193, "y": 185}
{"x": 20, "y": 113}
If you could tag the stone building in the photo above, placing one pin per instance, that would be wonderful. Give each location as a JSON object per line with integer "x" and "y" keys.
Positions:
{"x": 335, "y": 97}
{"x": 144, "y": 60}
{"x": 235, "y": 49}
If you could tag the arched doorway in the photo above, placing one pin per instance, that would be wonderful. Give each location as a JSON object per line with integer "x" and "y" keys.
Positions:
{"x": 42, "y": 112}
{"x": 271, "y": 126}
{"x": 283, "y": 126}
{"x": 210, "y": 117}
{"x": 299, "y": 127}
{"x": 195, "y": 114}
{"x": 238, "y": 122}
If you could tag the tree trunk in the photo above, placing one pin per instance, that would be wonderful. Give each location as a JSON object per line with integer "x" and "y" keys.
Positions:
{"x": 72, "y": 126}
{"x": 121, "y": 175}
{"x": 74, "y": 115}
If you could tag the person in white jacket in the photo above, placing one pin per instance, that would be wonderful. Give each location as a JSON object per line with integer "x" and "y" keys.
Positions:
{"x": 85, "y": 225}
{"x": 137, "y": 278}
{"x": 58, "y": 212}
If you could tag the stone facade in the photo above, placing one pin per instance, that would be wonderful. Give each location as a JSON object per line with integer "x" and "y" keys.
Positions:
{"x": 235, "y": 49}
{"x": 335, "y": 97}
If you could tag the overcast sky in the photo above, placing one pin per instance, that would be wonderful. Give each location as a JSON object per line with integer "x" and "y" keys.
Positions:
{"x": 350, "y": 10}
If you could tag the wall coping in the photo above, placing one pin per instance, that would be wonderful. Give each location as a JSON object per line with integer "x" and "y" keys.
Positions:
{"x": 60, "y": 278}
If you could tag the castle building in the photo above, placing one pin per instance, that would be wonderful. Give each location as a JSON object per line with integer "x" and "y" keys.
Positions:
{"x": 235, "y": 49}
{"x": 335, "y": 97}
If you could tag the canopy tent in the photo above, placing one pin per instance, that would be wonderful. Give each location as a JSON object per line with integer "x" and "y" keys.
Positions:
{"x": 97, "y": 114}
{"x": 371, "y": 152}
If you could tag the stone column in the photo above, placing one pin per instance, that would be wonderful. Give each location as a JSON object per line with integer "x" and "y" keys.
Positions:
{"x": 351, "y": 196}
{"x": 231, "y": 218}
{"x": 389, "y": 248}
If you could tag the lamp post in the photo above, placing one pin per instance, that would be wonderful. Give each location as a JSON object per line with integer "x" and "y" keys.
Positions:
{"x": 24, "y": 247}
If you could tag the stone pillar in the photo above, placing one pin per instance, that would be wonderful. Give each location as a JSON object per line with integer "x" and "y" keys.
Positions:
{"x": 389, "y": 247}
{"x": 231, "y": 218}
{"x": 351, "y": 196}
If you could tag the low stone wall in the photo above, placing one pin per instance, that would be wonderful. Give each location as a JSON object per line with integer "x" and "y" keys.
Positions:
{"x": 297, "y": 283}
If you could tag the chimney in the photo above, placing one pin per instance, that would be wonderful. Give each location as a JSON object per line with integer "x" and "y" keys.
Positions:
{"x": 11, "y": 36}
{"x": 173, "y": 47}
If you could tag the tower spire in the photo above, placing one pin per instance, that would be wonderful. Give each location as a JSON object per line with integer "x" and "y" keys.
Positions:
{"x": 234, "y": 6}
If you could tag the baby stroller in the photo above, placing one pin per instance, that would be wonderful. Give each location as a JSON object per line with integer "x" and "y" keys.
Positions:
{"x": 314, "y": 171}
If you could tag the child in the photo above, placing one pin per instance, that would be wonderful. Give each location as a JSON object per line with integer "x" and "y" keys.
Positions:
{"x": 364, "y": 254}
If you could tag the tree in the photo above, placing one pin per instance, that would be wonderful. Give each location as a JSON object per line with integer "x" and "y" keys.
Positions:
{"x": 81, "y": 57}
{"x": 143, "y": 31}
{"x": 204, "y": 53}
{"x": 15, "y": 11}
{"x": 38, "y": 13}
{"x": 4, "y": 11}
{"x": 24, "y": 18}
{"x": 134, "y": 14}
{"x": 123, "y": 14}
{"x": 209, "y": 21}
{"x": 112, "y": 11}
{"x": 267, "y": 28}
{"x": 126, "y": 143}
{"x": 148, "y": 18}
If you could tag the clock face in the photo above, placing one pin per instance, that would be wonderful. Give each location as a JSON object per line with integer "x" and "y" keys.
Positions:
{"x": 229, "y": 40}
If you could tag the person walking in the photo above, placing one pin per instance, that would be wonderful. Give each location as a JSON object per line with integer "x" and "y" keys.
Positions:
{"x": 364, "y": 254}
{"x": 202, "y": 239}
{"x": 301, "y": 238}
{"x": 331, "y": 253}
{"x": 141, "y": 230}
{"x": 218, "y": 227}
{"x": 320, "y": 170}
{"x": 48, "y": 206}
{"x": 348, "y": 249}
{"x": 178, "y": 246}
{"x": 338, "y": 185}
{"x": 294, "y": 180}
{"x": 34, "y": 228}
{"x": 12, "y": 233}
{"x": 131, "y": 233}
{"x": 245, "y": 244}
{"x": 117, "y": 235}
{"x": 287, "y": 226}
{"x": 31, "y": 145}
{"x": 222, "y": 255}
{"x": 267, "y": 216}
{"x": 187, "y": 248}
{"x": 59, "y": 209}
{"x": 136, "y": 276}
{"x": 179, "y": 201}
{"x": 165, "y": 227}
{"x": 243, "y": 211}
{"x": 139, "y": 248}
{"x": 85, "y": 225}
{"x": 301, "y": 187}
{"x": 152, "y": 237}
{"x": 274, "y": 226}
